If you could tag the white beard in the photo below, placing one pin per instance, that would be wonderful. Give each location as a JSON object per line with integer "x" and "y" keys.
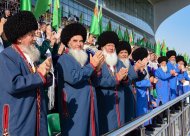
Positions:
{"x": 126, "y": 62}
{"x": 164, "y": 68}
{"x": 173, "y": 62}
{"x": 110, "y": 59}
{"x": 80, "y": 56}
{"x": 32, "y": 52}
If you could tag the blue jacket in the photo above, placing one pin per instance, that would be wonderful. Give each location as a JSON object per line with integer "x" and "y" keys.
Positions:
{"x": 183, "y": 76}
{"x": 77, "y": 98}
{"x": 162, "y": 86}
{"x": 142, "y": 95}
{"x": 18, "y": 96}
{"x": 173, "y": 80}
{"x": 111, "y": 98}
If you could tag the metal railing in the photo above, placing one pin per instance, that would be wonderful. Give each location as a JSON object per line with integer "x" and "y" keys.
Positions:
{"x": 177, "y": 124}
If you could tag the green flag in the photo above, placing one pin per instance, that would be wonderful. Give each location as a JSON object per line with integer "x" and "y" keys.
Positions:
{"x": 126, "y": 35}
{"x": 56, "y": 14}
{"x": 94, "y": 27}
{"x": 25, "y": 5}
{"x": 60, "y": 13}
{"x": 147, "y": 45}
{"x": 81, "y": 18}
{"x": 100, "y": 19}
{"x": 164, "y": 49}
{"x": 119, "y": 33}
{"x": 131, "y": 38}
{"x": 41, "y": 7}
{"x": 109, "y": 27}
{"x": 143, "y": 42}
{"x": 185, "y": 57}
{"x": 138, "y": 42}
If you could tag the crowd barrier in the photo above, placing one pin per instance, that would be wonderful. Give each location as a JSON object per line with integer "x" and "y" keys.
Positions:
{"x": 177, "y": 124}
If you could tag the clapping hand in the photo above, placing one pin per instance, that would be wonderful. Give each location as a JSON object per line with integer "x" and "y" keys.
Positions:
{"x": 97, "y": 60}
{"x": 122, "y": 73}
{"x": 45, "y": 67}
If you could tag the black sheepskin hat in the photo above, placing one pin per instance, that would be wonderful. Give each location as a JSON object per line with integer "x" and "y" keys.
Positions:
{"x": 107, "y": 37}
{"x": 180, "y": 58}
{"x": 19, "y": 25}
{"x": 139, "y": 54}
{"x": 123, "y": 45}
{"x": 162, "y": 58}
{"x": 72, "y": 30}
{"x": 171, "y": 53}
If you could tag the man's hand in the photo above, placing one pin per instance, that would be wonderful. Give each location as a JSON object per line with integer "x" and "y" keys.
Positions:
{"x": 97, "y": 59}
{"x": 122, "y": 73}
{"x": 3, "y": 20}
{"x": 154, "y": 104}
{"x": 45, "y": 67}
{"x": 155, "y": 80}
{"x": 172, "y": 72}
{"x": 53, "y": 40}
{"x": 61, "y": 49}
{"x": 151, "y": 79}
{"x": 183, "y": 81}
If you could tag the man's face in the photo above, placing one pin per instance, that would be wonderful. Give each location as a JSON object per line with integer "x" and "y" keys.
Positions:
{"x": 180, "y": 65}
{"x": 109, "y": 48}
{"x": 48, "y": 29}
{"x": 163, "y": 63}
{"x": 91, "y": 39}
{"x": 123, "y": 54}
{"x": 76, "y": 42}
{"x": 43, "y": 27}
{"x": 144, "y": 61}
{"x": 38, "y": 33}
{"x": 7, "y": 13}
{"x": 152, "y": 57}
{"x": 28, "y": 39}
{"x": 172, "y": 58}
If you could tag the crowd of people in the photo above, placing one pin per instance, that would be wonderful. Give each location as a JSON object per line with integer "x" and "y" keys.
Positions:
{"x": 95, "y": 83}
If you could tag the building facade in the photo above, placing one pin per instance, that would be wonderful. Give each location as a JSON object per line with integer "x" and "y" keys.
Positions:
{"x": 135, "y": 15}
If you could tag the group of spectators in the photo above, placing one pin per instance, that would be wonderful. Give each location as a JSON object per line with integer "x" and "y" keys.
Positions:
{"x": 95, "y": 83}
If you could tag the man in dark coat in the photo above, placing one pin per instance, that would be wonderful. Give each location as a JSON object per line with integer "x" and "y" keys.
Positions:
{"x": 77, "y": 97}
{"x": 22, "y": 103}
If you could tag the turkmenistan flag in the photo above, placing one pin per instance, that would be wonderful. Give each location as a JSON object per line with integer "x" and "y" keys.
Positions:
{"x": 41, "y": 7}
{"x": 95, "y": 27}
{"x": 119, "y": 33}
{"x": 100, "y": 19}
{"x": 164, "y": 49}
{"x": 185, "y": 57}
{"x": 138, "y": 42}
{"x": 25, "y": 5}
{"x": 126, "y": 35}
{"x": 81, "y": 18}
{"x": 56, "y": 14}
{"x": 158, "y": 48}
{"x": 131, "y": 38}
{"x": 143, "y": 42}
{"x": 109, "y": 27}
